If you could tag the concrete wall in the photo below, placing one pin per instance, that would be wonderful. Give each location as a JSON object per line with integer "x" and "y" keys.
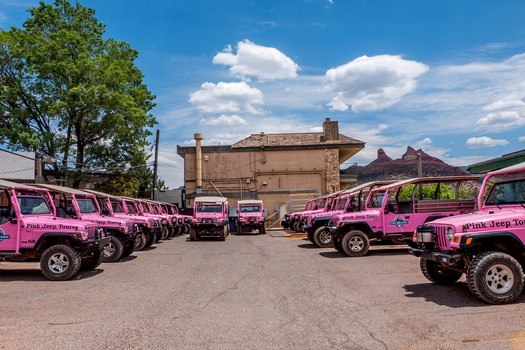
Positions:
{"x": 276, "y": 177}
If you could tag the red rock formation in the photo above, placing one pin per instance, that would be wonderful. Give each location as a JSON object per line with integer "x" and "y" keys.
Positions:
{"x": 385, "y": 167}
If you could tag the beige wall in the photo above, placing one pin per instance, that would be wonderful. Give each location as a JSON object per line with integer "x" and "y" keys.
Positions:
{"x": 272, "y": 176}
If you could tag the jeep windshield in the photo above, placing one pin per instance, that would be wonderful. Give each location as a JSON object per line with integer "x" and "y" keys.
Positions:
{"x": 209, "y": 208}
{"x": 512, "y": 192}
{"x": 86, "y": 206}
{"x": 250, "y": 209}
{"x": 117, "y": 207}
{"x": 33, "y": 205}
{"x": 376, "y": 200}
{"x": 131, "y": 208}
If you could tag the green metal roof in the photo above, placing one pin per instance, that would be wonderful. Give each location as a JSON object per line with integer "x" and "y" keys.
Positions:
{"x": 497, "y": 163}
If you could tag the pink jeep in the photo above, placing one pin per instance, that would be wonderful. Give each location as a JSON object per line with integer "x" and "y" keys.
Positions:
{"x": 292, "y": 220}
{"x": 210, "y": 217}
{"x": 29, "y": 228}
{"x": 134, "y": 207}
{"x": 177, "y": 220}
{"x": 250, "y": 215}
{"x": 126, "y": 209}
{"x": 394, "y": 211}
{"x": 149, "y": 208}
{"x": 112, "y": 206}
{"x": 487, "y": 246}
{"x": 323, "y": 204}
{"x": 346, "y": 201}
{"x": 81, "y": 205}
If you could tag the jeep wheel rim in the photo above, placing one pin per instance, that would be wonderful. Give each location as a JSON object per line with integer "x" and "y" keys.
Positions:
{"x": 356, "y": 244}
{"x": 58, "y": 263}
{"x": 325, "y": 237}
{"x": 109, "y": 250}
{"x": 499, "y": 279}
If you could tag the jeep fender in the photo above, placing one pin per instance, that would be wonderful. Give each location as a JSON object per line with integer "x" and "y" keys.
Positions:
{"x": 56, "y": 238}
{"x": 503, "y": 241}
{"x": 354, "y": 225}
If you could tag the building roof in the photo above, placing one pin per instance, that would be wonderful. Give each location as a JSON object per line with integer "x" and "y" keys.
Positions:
{"x": 18, "y": 166}
{"x": 294, "y": 139}
{"x": 497, "y": 163}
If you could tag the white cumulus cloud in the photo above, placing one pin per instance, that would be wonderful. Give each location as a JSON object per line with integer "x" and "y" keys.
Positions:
{"x": 425, "y": 142}
{"x": 224, "y": 120}
{"x": 261, "y": 62}
{"x": 484, "y": 142}
{"x": 521, "y": 138}
{"x": 372, "y": 83}
{"x": 227, "y": 98}
{"x": 504, "y": 114}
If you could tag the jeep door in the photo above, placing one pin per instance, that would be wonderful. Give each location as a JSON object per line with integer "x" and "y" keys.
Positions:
{"x": 8, "y": 226}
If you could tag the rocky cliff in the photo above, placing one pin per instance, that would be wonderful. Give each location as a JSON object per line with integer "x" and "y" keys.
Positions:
{"x": 385, "y": 168}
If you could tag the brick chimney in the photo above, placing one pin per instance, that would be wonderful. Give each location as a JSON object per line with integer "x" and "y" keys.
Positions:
{"x": 330, "y": 130}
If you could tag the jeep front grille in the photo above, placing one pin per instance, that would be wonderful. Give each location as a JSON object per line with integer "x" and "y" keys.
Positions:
{"x": 442, "y": 240}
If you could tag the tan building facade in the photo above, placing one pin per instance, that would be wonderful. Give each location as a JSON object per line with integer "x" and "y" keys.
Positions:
{"x": 276, "y": 168}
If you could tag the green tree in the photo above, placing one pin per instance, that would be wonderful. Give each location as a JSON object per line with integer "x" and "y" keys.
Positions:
{"x": 67, "y": 92}
{"x": 120, "y": 185}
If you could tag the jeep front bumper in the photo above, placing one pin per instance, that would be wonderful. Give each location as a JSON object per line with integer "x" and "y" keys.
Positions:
{"x": 443, "y": 258}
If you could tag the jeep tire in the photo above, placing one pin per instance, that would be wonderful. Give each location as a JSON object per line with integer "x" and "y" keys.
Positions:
{"x": 129, "y": 248}
{"x": 495, "y": 277}
{"x": 92, "y": 260}
{"x": 310, "y": 236}
{"x": 113, "y": 251}
{"x": 437, "y": 273}
{"x": 262, "y": 229}
{"x": 193, "y": 234}
{"x": 150, "y": 239}
{"x": 224, "y": 233}
{"x": 164, "y": 234}
{"x": 140, "y": 241}
{"x": 239, "y": 228}
{"x": 355, "y": 243}
{"x": 60, "y": 263}
{"x": 322, "y": 238}
{"x": 336, "y": 242}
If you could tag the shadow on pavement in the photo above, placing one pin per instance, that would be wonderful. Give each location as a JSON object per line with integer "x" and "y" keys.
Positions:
{"x": 35, "y": 275}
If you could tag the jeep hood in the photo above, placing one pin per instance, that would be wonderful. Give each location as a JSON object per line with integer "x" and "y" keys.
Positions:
{"x": 487, "y": 216}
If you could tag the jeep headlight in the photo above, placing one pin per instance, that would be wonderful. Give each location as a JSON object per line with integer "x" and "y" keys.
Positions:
{"x": 449, "y": 232}
{"x": 85, "y": 235}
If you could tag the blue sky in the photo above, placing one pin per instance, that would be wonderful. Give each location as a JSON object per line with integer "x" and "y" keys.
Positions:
{"x": 446, "y": 76}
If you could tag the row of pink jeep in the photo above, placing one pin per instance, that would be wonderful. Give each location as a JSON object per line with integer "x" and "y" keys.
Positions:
{"x": 211, "y": 217}
{"x": 69, "y": 230}
{"x": 454, "y": 225}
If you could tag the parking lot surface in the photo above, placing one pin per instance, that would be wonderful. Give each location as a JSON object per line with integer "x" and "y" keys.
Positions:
{"x": 250, "y": 292}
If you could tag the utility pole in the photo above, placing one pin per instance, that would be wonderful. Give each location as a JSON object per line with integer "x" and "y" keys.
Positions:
{"x": 155, "y": 165}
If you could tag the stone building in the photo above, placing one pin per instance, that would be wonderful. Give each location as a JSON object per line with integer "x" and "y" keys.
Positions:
{"x": 276, "y": 168}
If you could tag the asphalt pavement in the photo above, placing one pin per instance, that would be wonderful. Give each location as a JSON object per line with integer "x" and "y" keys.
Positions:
{"x": 250, "y": 292}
